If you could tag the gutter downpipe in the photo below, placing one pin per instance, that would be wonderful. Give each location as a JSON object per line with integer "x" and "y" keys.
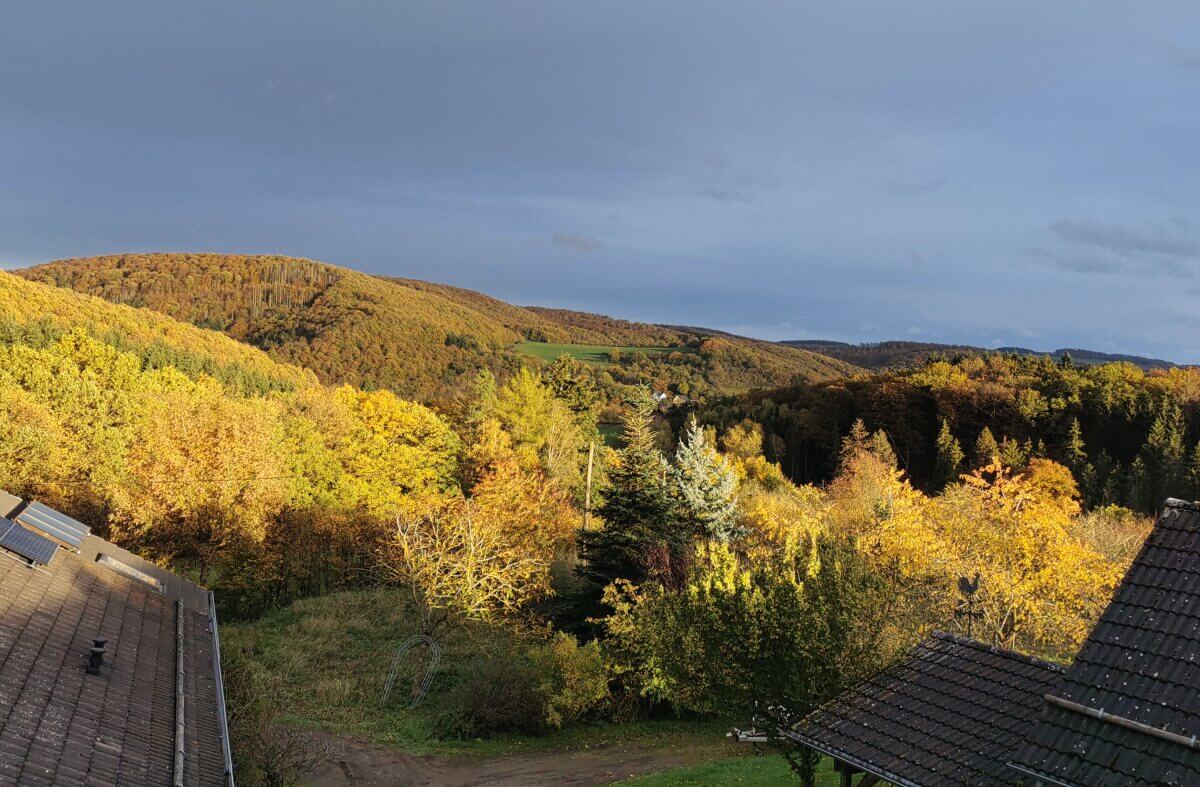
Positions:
{"x": 218, "y": 678}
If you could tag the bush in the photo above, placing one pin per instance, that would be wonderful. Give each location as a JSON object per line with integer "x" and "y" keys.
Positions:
{"x": 499, "y": 694}
{"x": 574, "y": 681}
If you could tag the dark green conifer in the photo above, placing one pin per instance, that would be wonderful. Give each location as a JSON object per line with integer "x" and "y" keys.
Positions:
{"x": 949, "y": 458}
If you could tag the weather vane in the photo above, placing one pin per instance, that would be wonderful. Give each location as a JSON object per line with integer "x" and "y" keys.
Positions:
{"x": 966, "y": 607}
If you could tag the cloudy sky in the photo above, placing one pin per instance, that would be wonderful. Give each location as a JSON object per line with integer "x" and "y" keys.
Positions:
{"x": 990, "y": 173}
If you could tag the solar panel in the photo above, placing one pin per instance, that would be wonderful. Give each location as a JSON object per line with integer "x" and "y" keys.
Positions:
{"x": 54, "y": 524}
{"x": 25, "y": 543}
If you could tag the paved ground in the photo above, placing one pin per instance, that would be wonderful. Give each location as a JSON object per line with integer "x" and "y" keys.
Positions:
{"x": 362, "y": 764}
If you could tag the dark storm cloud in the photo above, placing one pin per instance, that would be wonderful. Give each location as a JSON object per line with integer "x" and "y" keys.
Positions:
{"x": 875, "y": 167}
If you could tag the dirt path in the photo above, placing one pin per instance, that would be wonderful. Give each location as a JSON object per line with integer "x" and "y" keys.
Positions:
{"x": 364, "y": 764}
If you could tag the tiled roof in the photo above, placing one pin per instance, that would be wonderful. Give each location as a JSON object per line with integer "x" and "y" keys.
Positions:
{"x": 1141, "y": 667}
{"x": 62, "y": 726}
{"x": 949, "y": 715}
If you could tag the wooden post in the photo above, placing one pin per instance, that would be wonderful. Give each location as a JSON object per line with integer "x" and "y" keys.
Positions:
{"x": 587, "y": 494}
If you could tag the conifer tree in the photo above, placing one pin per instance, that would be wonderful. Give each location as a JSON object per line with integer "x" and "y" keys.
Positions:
{"x": 854, "y": 442}
{"x": 949, "y": 458}
{"x": 860, "y": 441}
{"x": 881, "y": 446}
{"x": 1193, "y": 473}
{"x": 1012, "y": 455}
{"x": 987, "y": 450}
{"x": 1074, "y": 450}
{"x": 637, "y": 509}
{"x": 1163, "y": 456}
{"x": 705, "y": 486}
{"x": 1136, "y": 496}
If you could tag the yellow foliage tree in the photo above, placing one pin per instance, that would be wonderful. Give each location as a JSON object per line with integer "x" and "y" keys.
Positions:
{"x": 205, "y": 469}
{"x": 455, "y": 565}
{"x": 1041, "y": 587}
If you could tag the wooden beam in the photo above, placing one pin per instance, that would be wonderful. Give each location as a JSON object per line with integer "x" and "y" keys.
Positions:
{"x": 868, "y": 780}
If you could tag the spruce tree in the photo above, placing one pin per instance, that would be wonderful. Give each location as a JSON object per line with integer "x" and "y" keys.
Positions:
{"x": 1074, "y": 450}
{"x": 1163, "y": 456}
{"x": 705, "y": 486}
{"x": 854, "y": 442}
{"x": 637, "y": 509}
{"x": 949, "y": 458}
{"x": 1012, "y": 455}
{"x": 1193, "y": 473}
{"x": 1136, "y": 496}
{"x": 881, "y": 446}
{"x": 987, "y": 450}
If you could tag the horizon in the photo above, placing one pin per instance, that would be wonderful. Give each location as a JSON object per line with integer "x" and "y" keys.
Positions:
{"x": 934, "y": 174}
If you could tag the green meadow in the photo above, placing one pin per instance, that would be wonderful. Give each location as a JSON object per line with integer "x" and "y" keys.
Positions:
{"x": 588, "y": 353}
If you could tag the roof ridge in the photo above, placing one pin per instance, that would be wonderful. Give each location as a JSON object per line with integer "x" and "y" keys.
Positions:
{"x": 1175, "y": 502}
{"x": 1016, "y": 655}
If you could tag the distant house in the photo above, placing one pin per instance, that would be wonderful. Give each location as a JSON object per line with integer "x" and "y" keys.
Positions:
{"x": 1125, "y": 712}
{"x": 110, "y": 671}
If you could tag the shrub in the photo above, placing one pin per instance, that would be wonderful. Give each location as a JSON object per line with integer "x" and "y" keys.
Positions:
{"x": 498, "y": 694}
{"x": 574, "y": 681}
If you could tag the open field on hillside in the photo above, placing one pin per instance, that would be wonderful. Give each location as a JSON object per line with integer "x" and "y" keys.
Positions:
{"x": 588, "y": 353}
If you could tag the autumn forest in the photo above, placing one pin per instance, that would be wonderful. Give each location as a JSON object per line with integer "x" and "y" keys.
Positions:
{"x": 656, "y": 522}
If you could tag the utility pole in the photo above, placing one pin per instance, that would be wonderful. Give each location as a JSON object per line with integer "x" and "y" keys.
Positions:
{"x": 587, "y": 494}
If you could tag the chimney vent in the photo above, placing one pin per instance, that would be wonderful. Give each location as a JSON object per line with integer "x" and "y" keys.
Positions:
{"x": 96, "y": 656}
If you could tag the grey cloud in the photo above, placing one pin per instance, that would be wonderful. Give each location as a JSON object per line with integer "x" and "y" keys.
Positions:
{"x": 908, "y": 187}
{"x": 750, "y": 169}
{"x": 1185, "y": 60}
{"x": 728, "y": 195}
{"x": 577, "y": 242}
{"x": 1171, "y": 239}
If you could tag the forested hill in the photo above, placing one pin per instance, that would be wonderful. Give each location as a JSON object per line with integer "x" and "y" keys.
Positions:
{"x": 422, "y": 340}
{"x": 903, "y": 355}
{"x": 37, "y": 315}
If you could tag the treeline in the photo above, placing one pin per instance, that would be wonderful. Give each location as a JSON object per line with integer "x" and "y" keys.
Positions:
{"x": 1128, "y": 435}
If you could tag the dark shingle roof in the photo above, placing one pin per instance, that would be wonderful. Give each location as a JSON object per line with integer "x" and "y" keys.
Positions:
{"x": 949, "y": 715}
{"x": 62, "y": 726}
{"x": 1140, "y": 663}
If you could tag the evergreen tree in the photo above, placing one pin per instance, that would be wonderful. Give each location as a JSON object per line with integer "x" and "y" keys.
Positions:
{"x": 1012, "y": 455}
{"x": 1163, "y": 456}
{"x": 571, "y": 381}
{"x": 881, "y": 446}
{"x": 859, "y": 441}
{"x": 1114, "y": 486}
{"x": 1074, "y": 450}
{"x": 637, "y": 508}
{"x": 949, "y": 458}
{"x": 1193, "y": 473}
{"x": 854, "y": 442}
{"x": 705, "y": 486}
{"x": 1136, "y": 496}
{"x": 987, "y": 450}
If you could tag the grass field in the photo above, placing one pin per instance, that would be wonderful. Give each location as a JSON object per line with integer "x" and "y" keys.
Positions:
{"x": 750, "y": 770}
{"x": 588, "y": 353}
{"x": 327, "y": 658}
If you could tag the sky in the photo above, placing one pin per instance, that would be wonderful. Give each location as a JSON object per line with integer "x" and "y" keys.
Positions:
{"x": 1007, "y": 173}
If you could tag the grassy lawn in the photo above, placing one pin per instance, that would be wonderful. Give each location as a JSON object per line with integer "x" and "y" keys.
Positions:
{"x": 588, "y": 353}
{"x": 748, "y": 770}
{"x": 327, "y": 659}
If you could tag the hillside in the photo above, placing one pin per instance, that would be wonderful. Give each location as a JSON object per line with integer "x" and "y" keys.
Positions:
{"x": 420, "y": 339}
{"x": 902, "y": 355}
{"x": 35, "y": 314}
